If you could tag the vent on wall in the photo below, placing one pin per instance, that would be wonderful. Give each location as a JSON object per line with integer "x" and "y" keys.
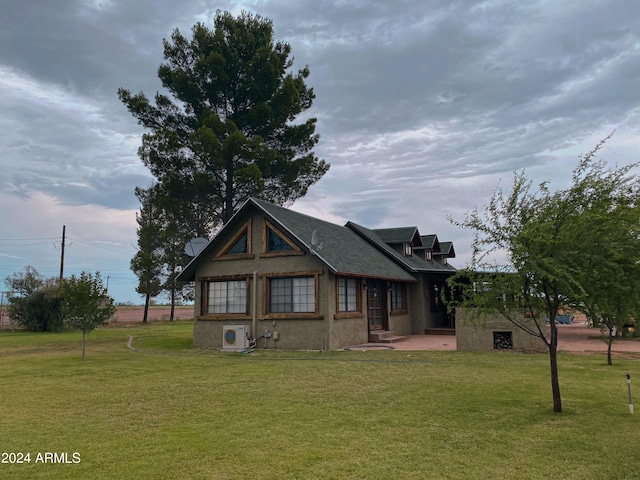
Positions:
{"x": 235, "y": 337}
{"x": 502, "y": 340}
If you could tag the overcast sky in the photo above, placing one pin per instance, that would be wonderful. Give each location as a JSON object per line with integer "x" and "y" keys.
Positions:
{"x": 423, "y": 108}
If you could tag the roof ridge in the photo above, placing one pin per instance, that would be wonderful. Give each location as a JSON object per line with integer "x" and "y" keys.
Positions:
{"x": 288, "y": 210}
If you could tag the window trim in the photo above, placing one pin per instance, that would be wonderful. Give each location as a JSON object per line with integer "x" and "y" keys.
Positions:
{"x": 358, "y": 299}
{"x": 403, "y": 291}
{"x": 204, "y": 298}
{"x": 266, "y": 226}
{"x": 408, "y": 249}
{"x": 266, "y": 296}
{"x": 224, "y": 251}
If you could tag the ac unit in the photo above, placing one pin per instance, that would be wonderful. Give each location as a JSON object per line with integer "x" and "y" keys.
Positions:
{"x": 235, "y": 337}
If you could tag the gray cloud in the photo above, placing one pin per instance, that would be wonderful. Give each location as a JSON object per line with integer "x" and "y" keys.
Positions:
{"x": 423, "y": 107}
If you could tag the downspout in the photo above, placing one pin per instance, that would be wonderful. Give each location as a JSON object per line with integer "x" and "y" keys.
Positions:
{"x": 254, "y": 306}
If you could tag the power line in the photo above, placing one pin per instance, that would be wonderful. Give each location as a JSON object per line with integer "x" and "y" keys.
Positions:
{"x": 99, "y": 246}
{"x": 24, "y": 244}
{"x": 27, "y": 239}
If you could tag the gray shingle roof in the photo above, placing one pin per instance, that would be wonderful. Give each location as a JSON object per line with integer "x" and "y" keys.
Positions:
{"x": 342, "y": 250}
{"x": 350, "y": 250}
{"x": 430, "y": 241}
{"x": 446, "y": 248}
{"x": 399, "y": 235}
{"x": 412, "y": 263}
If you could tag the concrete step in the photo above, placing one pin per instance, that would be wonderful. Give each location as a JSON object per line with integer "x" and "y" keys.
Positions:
{"x": 384, "y": 337}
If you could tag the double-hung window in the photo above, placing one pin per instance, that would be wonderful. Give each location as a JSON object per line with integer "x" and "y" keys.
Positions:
{"x": 227, "y": 297}
{"x": 292, "y": 294}
{"x": 398, "y": 296}
{"x": 348, "y": 295}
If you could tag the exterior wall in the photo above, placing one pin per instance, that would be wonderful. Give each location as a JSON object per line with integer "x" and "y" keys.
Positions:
{"x": 324, "y": 329}
{"x": 346, "y": 332}
{"x": 477, "y": 334}
{"x": 400, "y": 324}
{"x": 419, "y": 306}
{"x": 423, "y": 316}
{"x": 296, "y": 331}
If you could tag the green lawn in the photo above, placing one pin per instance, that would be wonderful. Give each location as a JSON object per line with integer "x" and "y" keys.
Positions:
{"x": 167, "y": 410}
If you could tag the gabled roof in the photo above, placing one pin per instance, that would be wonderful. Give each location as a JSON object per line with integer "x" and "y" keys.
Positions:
{"x": 430, "y": 241}
{"x": 446, "y": 249}
{"x": 412, "y": 263}
{"x": 339, "y": 248}
{"x": 399, "y": 235}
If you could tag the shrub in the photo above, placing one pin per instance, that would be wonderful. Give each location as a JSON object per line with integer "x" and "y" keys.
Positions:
{"x": 35, "y": 303}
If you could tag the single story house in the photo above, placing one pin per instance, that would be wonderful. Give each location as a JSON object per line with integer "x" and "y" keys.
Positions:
{"x": 290, "y": 281}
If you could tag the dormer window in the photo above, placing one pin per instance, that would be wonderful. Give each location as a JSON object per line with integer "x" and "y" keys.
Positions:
{"x": 408, "y": 249}
{"x": 428, "y": 255}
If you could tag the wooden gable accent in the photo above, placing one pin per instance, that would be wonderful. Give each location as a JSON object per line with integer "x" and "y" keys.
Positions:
{"x": 286, "y": 245}
{"x": 239, "y": 246}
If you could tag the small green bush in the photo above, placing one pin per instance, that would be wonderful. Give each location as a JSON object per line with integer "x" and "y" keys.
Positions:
{"x": 34, "y": 302}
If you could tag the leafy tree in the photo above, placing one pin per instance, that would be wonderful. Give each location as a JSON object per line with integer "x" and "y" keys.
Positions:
{"x": 34, "y": 302}
{"x": 608, "y": 224}
{"x": 231, "y": 134}
{"x": 86, "y": 303}
{"x": 552, "y": 244}
{"x": 147, "y": 262}
{"x": 25, "y": 284}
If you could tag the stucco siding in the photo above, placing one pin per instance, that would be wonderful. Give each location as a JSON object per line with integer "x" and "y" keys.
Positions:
{"x": 478, "y": 333}
{"x": 303, "y": 331}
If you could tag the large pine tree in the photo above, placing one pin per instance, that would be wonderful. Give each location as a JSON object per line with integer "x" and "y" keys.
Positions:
{"x": 229, "y": 133}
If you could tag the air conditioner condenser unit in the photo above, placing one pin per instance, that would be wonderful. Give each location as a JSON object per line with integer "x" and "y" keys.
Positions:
{"x": 235, "y": 337}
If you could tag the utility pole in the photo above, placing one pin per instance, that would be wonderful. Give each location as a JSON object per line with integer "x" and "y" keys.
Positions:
{"x": 2, "y": 309}
{"x": 64, "y": 229}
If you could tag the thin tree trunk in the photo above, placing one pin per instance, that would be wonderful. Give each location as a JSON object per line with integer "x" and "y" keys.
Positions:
{"x": 173, "y": 304}
{"x": 609, "y": 344}
{"x": 553, "y": 360}
{"x": 228, "y": 193}
{"x": 146, "y": 308}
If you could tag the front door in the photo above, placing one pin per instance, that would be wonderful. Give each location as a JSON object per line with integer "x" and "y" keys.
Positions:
{"x": 441, "y": 318}
{"x": 377, "y": 305}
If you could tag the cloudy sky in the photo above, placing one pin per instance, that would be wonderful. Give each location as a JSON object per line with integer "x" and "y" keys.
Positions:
{"x": 423, "y": 107}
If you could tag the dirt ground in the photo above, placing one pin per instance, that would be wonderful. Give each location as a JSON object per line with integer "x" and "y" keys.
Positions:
{"x": 133, "y": 315}
{"x": 156, "y": 313}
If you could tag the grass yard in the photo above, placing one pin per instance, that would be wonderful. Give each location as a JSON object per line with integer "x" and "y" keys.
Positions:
{"x": 168, "y": 410}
